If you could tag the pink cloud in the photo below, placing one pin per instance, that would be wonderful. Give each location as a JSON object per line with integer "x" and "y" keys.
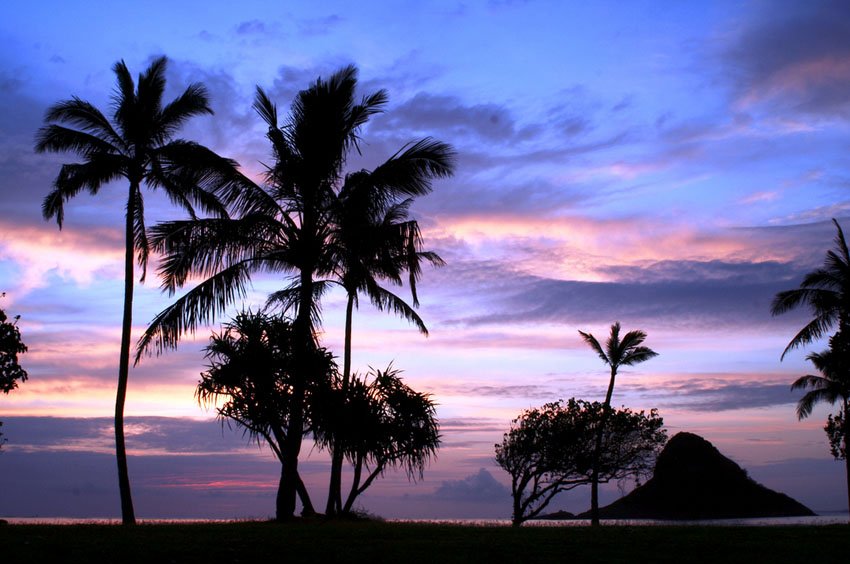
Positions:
{"x": 77, "y": 255}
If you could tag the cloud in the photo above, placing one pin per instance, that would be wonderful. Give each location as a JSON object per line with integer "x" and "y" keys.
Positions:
{"x": 472, "y": 425}
{"x": 573, "y": 272}
{"x": 480, "y": 487}
{"x": 251, "y": 27}
{"x": 808, "y": 73}
{"x": 146, "y": 436}
{"x": 719, "y": 392}
{"x": 311, "y": 27}
{"x": 78, "y": 255}
{"x": 695, "y": 295}
{"x": 455, "y": 120}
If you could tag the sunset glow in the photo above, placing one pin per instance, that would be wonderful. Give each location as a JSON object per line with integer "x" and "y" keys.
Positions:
{"x": 665, "y": 165}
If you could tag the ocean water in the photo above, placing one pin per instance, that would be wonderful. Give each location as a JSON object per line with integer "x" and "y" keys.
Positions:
{"x": 831, "y": 518}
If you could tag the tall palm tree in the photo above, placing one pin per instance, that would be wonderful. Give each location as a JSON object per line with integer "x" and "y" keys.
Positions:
{"x": 138, "y": 145}
{"x": 826, "y": 292}
{"x": 375, "y": 241}
{"x": 831, "y": 386}
{"x": 285, "y": 227}
{"x": 627, "y": 351}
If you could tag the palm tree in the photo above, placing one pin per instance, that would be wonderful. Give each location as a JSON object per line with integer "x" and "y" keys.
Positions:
{"x": 826, "y": 291}
{"x": 831, "y": 386}
{"x": 137, "y": 145}
{"x": 375, "y": 241}
{"x": 627, "y": 351}
{"x": 285, "y": 227}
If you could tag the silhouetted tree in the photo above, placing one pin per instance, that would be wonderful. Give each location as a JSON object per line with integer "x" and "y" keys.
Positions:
{"x": 826, "y": 292}
{"x": 11, "y": 345}
{"x": 376, "y": 425}
{"x": 553, "y": 449}
{"x": 831, "y": 386}
{"x": 252, "y": 371}
{"x": 617, "y": 352}
{"x": 287, "y": 227}
{"x": 137, "y": 145}
{"x": 374, "y": 242}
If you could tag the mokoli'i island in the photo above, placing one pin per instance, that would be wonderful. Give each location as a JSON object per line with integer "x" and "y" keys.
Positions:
{"x": 424, "y": 260}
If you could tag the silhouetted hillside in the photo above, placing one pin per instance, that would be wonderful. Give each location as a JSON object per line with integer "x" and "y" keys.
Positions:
{"x": 692, "y": 480}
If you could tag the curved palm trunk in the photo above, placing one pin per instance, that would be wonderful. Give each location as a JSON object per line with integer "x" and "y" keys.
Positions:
{"x": 128, "y": 517}
{"x": 594, "y": 477}
{"x": 611, "y": 387}
{"x": 334, "y": 503}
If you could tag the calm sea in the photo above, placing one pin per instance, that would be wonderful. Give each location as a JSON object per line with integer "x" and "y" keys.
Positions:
{"x": 832, "y": 518}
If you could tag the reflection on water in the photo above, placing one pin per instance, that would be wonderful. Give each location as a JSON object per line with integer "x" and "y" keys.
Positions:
{"x": 110, "y": 521}
{"x": 832, "y": 518}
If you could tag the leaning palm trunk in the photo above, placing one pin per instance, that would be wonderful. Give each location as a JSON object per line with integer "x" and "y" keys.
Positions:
{"x": 128, "y": 516}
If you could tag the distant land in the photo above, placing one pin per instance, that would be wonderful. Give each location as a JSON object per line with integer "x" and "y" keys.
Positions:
{"x": 693, "y": 481}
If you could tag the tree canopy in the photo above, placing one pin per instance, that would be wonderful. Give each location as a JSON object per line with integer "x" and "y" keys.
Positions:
{"x": 11, "y": 345}
{"x": 551, "y": 449}
{"x": 250, "y": 381}
{"x": 378, "y": 423}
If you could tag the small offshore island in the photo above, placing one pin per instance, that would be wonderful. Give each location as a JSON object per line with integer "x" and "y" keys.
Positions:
{"x": 694, "y": 481}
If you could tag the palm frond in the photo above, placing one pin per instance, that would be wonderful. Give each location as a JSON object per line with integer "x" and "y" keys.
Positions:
{"x": 201, "y": 305}
{"x": 289, "y": 300}
{"x": 632, "y": 339}
{"x": 151, "y": 86}
{"x": 265, "y": 108}
{"x": 612, "y": 345}
{"x": 807, "y": 403}
{"x": 841, "y": 243}
{"x": 815, "y": 329}
{"x": 809, "y": 381}
{"x": 86, "y": 117}
{"x": 140, "y": 237}
{"x": 637, "y": 355}
{"x": 123, "y": 99}
{"x": 385, "y": 300}
{"x": 59, "y": 139}
{"x": 73, "y": 178}
{"x": 202, "y": 247}
{"x": 192, "y": 102}
{"x": 594, "y": 344}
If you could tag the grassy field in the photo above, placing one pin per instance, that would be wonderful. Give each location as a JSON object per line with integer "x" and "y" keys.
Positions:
{"x": 403, "y": 543}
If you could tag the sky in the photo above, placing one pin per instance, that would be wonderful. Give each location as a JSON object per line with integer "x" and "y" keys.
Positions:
{"x": 668, "y": 165}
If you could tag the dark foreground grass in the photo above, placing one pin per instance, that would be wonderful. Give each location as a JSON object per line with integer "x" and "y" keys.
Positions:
{"x": 403, "y": 543}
